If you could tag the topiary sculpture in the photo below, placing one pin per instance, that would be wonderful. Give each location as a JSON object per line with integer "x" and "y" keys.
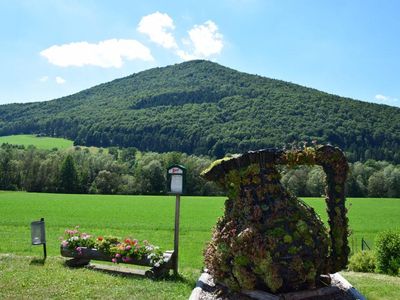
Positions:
{"x": 268, "y": 239}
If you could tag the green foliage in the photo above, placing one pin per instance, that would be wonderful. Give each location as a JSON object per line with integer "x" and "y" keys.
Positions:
{"x": 200, "y": 107}
{"x": 387, "y": 245}
{"x": 363, "y": 261}
{"x": 135, "y": 172}
{"x": 104, "y": 183}
{"x": 68, "y": 176}
{"x": 80, "y": 170}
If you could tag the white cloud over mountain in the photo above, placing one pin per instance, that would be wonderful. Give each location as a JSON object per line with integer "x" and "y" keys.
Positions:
{"x": 379, "y": 98}
{"x": 203, "y": 41}
{"x": 156, "y": 26}
{"x": 105, "y": 54}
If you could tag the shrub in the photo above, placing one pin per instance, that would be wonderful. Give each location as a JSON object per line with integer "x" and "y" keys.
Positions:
{"x": 388, "y": 252}
{"x": 363, "y": 261}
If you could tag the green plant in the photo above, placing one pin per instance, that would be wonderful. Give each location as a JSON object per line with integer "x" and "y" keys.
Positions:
{"x": 363, "y": 261}
{"x": 387, "y": 245}
{"x": 74, "y": 240}
{"x": 268, "y": 238}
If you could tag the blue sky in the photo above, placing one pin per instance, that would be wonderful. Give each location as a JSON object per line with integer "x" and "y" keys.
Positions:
{"x": 55, "y": 48}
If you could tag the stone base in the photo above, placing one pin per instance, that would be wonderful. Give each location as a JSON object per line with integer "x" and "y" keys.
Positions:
{"x": 340, "y": 289}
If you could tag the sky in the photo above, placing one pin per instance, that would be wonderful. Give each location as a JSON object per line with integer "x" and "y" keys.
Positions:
{"x": 54, "y": 48}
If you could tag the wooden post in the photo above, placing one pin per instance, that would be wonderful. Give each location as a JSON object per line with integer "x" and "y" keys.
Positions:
{"x": 44, "y": 245}
{"x": 176, "y": 234}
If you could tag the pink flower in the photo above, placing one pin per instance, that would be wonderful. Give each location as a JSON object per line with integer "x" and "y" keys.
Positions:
{"x": 114, "y": 260}
{"x": 64, "y": 243}
{"x": 127, "y": 248}
{"x": 79, "y": 249}
{"x": 117, "y": 255}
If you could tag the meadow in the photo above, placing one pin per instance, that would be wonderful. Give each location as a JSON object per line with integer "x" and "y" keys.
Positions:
{"x": 39, "y": 142}
{"x": 142, "y": 217}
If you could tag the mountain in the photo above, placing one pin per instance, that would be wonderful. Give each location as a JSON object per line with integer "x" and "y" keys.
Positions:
{"x": 204, "y": 108}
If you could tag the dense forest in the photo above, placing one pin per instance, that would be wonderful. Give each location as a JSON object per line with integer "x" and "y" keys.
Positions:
{"x": 203, "y": 108}
{"x": 129, "y": 171}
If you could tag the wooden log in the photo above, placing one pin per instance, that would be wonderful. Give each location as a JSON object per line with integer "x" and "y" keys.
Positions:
{"x": 87, "y": 253}
{"x": 77, "y": 262}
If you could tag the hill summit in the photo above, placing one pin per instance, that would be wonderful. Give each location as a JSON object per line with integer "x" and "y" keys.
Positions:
{"x": 202, "y": 107}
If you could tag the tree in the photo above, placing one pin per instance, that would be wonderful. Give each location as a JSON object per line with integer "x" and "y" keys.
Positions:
{"x": 68, "y": 176}
{"x": 316, "y": 182}
{"x": 105, "y": 183}
{"x": 376, "y": 185}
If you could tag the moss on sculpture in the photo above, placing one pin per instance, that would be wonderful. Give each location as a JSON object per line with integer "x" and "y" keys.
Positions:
{"x": 268, "y": 239}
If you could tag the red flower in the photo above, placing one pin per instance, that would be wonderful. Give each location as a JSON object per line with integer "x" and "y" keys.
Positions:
{"x": 100, "y": 238}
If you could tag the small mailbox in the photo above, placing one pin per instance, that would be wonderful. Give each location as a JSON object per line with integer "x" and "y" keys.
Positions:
{"x": 38, "y": 235}
{"x": 176, "y": 179}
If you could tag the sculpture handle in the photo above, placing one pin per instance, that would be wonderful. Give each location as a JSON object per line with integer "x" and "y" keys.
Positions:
{"x": 335, "y": 166}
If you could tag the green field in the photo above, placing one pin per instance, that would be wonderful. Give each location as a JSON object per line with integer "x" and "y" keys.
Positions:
{"x": 38, "y": 142}
{"x": 151, "y": 218}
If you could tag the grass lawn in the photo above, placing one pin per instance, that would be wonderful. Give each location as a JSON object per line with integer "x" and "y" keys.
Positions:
{"x": 141, "y": 217}
{"x": 38, "y": 142}
{"x": 22, "y": 278}
{"x": 375, "y": 286}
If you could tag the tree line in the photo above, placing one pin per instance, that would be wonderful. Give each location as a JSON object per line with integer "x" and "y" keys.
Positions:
{"x": 129, "y": 171}
{"x": 365, "y": 179}
{"x": 101, "y": 171}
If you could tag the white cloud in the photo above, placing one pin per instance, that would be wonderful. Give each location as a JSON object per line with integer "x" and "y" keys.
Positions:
{"x": 379, "y": 98}
{"x": 206, "y": 41}
{"x": 60, "y": 80}
{"x": 105, "y": 54}
{"x": 156, "y": 27}
{"x": 44, "y": 78}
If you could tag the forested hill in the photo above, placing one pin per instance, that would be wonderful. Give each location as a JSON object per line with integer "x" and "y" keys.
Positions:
{"x": 204, "y": 108}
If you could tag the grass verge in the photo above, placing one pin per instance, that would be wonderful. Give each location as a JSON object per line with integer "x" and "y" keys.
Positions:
{"x": 375, "y": 286}
{"x": 25, "y": 278}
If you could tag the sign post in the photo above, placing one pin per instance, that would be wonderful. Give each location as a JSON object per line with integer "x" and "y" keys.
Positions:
{"x": 176, "y": 179}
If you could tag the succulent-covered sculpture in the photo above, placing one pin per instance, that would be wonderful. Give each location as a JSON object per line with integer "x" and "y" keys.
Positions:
{"x": 268, "y": 239}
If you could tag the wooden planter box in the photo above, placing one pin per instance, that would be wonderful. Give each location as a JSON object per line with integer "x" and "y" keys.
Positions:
{"x": 83, "y": 258}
